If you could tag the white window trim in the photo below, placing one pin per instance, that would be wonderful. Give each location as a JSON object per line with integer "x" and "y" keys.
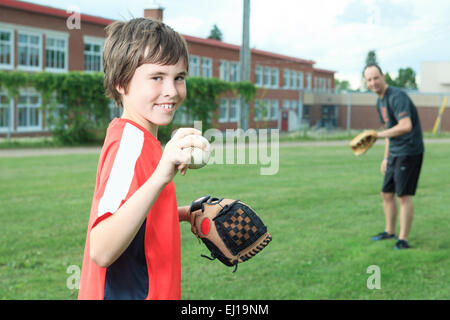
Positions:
{"x": 286, "y": 79}
{"x": 10, "y": 127}
{"x": 259, "y": 71}
{"x": 238, "y": 108}
{"x": 30, "y": 92}
{"x": 267, "y": 74}
{"x": 301, "y": 83}
{"x": 224, "y": 70}
{"x": 9, "y": 66}
{"x": 207, "y": 67}
{"x": 257, "y": 116}
{"x": 94, "y": 41}
{"x": 194, "y": 66}
{"x": 64, "y": 37}
{"x": 268, "y": 108}
{"x": 275, "y": 72}
{"x": 238, "y": 74}
{"x": 30, "y": 33}
{"x": 274, "y": 106}
{"x": 224, "y": 119}
{"x": 308, "y": 81}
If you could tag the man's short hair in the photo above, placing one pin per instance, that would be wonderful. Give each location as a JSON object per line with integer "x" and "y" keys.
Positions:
{"x": 372, "y": 65}
{"x": 130, "y": 44}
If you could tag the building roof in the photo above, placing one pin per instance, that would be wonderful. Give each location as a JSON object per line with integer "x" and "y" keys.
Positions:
{"x": 27, "y": 6}
{"x": 46, "y": 10}
{"x": 217, "y": 43}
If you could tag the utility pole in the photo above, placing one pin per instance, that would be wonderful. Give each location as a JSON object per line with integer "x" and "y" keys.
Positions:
{"x": 245, "y": 62}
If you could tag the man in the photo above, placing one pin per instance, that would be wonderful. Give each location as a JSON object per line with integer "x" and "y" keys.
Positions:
{"x": 402, "y": 156}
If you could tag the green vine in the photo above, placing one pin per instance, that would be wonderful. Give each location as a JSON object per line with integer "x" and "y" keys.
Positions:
{"x": 82, "y": 110}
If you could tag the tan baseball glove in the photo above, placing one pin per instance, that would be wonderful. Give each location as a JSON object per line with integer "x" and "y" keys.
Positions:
{"x": 230, "y": 229}
{"x": 363, "y": 142}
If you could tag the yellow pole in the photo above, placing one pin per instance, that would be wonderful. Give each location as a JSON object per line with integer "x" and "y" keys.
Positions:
{"x": 439, "y": 117}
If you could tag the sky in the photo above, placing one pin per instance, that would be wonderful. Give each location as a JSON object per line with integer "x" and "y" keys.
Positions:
{"x": 336, "y": 34}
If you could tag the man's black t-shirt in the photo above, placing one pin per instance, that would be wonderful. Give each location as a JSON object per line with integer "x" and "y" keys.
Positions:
{"x": 395, "y": 106}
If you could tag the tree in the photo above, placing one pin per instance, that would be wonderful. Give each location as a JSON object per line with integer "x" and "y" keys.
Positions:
{"x": 406, "y": 78}
{"x": 371, "y": 58}
{"x": 341, "y": 85}
{"x": 389, "y": 80}
{"x": 215, "y": 33}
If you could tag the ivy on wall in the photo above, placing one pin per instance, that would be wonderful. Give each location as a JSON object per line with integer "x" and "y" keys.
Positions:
{"x": 78, "y": 110}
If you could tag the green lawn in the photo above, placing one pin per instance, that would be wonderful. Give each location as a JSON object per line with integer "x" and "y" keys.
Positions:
{"x": 321, "y": 209}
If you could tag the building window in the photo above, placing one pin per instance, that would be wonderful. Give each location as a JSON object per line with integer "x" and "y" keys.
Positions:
{"x": 207, "y": 67}
{"x": 274, "y": 110}
{"x": 300, "y": 80}
{"x": 329, "y": 116}
{"x": 266, "y": 109}
{"x": 275, "y": 78}
{"x": 93, "y": 57}
{"x": 28, "y": 112}
{"x": 223, "y": 110}
{"x": 258, "y": 76}
{"x": 29, "y": 48}
{"x": 294, "y": 80}
{"x": 286, "y": 79}
{"x": 55, "y": 53}
{"x": 235, "y": 72}
{"x": 267, "y": 76}
{"x": 224, "y": 70}
{"x": 258, "y": 106}
{"x": 234, "y": 110}
{"x": 4, "y": 111}
{"x": 6, "y": 49}
{"x": 194, "y": 66}
{"x": 308, "y": 81}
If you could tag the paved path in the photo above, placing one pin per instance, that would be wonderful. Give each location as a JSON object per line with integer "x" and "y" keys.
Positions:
{"x": 31, "y": 152}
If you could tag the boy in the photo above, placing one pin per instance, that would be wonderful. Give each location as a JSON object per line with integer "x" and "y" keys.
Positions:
{"x": 132, "y": 246}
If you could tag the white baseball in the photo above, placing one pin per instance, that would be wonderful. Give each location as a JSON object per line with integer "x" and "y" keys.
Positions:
{"x": 199, "y": 157}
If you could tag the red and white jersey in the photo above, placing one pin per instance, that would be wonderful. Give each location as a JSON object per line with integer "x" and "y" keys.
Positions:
{"x": 150, "y": 267}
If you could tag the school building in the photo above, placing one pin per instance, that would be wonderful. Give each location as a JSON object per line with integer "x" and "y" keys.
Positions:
{"x": 291, "y": 92}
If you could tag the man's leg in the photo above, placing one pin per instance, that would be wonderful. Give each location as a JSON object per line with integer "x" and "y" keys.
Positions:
{"x": 406, "y": 216}
{"x": 390, "y": 211}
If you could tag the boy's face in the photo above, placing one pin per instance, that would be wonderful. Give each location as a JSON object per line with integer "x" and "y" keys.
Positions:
{"x": 154, "y": 94}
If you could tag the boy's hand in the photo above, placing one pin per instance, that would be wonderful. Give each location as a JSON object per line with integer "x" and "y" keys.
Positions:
{"x": 176, "y": 159}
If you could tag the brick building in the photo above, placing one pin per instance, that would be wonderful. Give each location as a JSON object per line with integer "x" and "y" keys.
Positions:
{"x": 37, "y": 38}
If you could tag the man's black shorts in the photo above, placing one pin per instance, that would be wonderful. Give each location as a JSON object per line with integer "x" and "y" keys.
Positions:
{"x": 402, "y": 175}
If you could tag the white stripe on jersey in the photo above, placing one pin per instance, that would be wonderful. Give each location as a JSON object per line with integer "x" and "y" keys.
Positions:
{"x": 122, "y": 171}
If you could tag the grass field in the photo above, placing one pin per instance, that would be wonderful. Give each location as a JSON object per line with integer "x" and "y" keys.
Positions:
{"x": 321, "y": 209}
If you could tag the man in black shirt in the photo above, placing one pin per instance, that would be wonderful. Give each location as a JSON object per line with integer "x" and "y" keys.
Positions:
{"x": 402, "y": 156}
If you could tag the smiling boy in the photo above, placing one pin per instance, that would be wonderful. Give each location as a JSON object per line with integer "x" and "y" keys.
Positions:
{"x": 132, "y": 246}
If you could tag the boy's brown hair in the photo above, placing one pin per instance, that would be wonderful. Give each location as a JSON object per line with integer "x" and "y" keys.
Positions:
{"x": 130, "y": 44}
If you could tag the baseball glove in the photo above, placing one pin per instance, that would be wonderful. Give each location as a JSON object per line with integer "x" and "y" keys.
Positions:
{"x": 363, "y": 142}
{"x": 230, "y": 229}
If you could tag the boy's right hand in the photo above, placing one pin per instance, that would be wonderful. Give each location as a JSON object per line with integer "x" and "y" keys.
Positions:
{"x": 174, "y": 158}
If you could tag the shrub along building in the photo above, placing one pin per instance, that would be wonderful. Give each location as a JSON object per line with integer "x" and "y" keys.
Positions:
{"x": 290, "y": 91}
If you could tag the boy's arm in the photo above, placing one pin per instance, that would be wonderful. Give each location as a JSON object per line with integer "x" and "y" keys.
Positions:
{"x": 183, "y": 213}
{"x": 110, "y": 237}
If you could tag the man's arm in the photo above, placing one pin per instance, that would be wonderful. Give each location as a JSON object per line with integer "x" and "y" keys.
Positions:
{"x": 403, "y": 126}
